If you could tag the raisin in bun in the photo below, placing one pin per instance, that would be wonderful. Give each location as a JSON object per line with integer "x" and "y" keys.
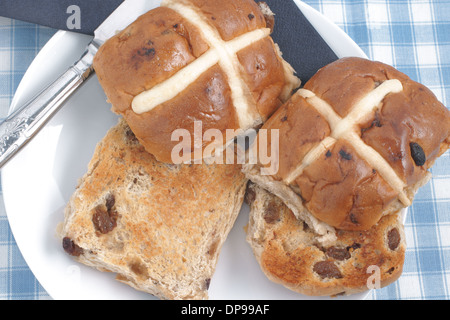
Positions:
{"x": 355, "y": 144}
{"x": 194, "y": 60}
{"x": 289, "y": 254}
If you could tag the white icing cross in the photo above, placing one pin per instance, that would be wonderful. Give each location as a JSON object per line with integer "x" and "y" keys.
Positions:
{"x": 345, "y": 128}
{"x": 220, "y": 52}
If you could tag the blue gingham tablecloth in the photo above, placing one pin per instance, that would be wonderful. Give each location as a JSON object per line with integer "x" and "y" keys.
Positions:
{"x": 411, "y": 35}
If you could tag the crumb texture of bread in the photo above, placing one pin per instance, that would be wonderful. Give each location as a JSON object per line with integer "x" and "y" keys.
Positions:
{"x": 159, "y": 227}
{"x": 289, "y": 254}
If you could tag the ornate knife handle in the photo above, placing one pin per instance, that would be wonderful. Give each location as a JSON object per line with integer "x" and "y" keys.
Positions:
{"x": 22, "y": 125}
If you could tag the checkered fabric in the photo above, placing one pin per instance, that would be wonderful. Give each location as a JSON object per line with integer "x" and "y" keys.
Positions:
{"x": 414, "y": 37}
{"x": 19, "y": 43}
{"x": 411, "y": 35}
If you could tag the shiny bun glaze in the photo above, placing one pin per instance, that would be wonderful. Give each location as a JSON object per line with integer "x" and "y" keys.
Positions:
{"x": 238, "y": 91}
{"x": 370, "y": 165}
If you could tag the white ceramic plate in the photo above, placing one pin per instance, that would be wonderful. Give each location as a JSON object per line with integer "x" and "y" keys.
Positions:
{"x": 39, "y": 181}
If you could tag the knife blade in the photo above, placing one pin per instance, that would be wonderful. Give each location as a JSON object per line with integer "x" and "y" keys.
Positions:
{"x": 23, "y": 124}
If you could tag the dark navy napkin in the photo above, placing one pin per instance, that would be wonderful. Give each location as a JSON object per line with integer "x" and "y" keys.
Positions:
{"x": 300, "y": 43}
{"x": 57, "y": 13}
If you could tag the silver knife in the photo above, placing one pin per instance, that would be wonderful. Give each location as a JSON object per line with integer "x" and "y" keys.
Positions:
{"x": 23, "y": 124}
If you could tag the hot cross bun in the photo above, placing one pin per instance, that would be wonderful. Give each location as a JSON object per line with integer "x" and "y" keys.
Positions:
{"x": 194, "y": 60}
{"x": 355, "y": 144}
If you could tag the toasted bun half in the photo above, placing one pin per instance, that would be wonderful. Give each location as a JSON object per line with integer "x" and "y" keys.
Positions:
{"x": 290, "y": 254}
{"x": 159, "y": 227}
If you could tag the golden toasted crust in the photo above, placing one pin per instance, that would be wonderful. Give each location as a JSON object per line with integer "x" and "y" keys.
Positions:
{"x": 288, "y": 252}
{"x": 165, "y": 41}
{"x": 349, "y": 168}
{"x": 160, "y": 227}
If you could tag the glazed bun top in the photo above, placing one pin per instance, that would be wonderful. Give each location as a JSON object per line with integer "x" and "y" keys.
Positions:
{"x": 357, "y": 141}
{"x": 210, "y": 61}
